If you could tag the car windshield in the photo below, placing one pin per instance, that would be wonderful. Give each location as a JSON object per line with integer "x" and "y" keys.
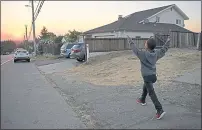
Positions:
{"x": 69, "y": 46}
{"x": 21, "y": 51}
{"x": 77, "y": 46}
{"x": 64, "y": 46}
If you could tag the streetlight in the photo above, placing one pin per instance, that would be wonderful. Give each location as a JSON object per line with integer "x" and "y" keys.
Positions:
{"x": 33, "y": 24}
{"x": 28, "y": 6}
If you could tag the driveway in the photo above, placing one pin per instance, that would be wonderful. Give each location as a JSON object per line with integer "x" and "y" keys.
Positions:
{"x": 192, "y": 77}
{"x": 59, "y": 65}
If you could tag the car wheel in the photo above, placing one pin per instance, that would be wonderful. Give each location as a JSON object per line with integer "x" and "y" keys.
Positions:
{"x": 84, "y": 57}
{"x": 28, "y": 60}
{"x": 79, "y": 60}
{"x": 15, "y": 61}
{"x": 68, "y": 56}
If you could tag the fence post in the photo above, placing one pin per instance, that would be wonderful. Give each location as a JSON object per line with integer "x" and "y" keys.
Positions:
{"x": 199, "y": 41}
{"x": 194, "y": 39}
{"x": 187, "y": 39}
{"x": 180, "y": 40}
{"x": 87, "y": 49}
{"x": 172, "y": 39}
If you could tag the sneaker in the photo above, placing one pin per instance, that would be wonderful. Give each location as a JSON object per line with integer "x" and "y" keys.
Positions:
{"x": 160, "y": 114}
{"x": 140, "y": 101}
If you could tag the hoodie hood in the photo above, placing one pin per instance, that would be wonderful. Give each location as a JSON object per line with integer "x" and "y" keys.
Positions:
{"x": 151, "y": 57}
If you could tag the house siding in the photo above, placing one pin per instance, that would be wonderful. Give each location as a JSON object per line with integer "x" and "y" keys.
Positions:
{"x": 169, "y": 16}
{"x": 122, "y": 34}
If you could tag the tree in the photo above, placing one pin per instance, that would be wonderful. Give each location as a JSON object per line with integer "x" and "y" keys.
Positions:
{"x": 44, "y": 33}
{"x": 7, "y": 46}
{"x": 58, "y": 39}
{"x": 51, "y": 35}
{"x": 46, "y": 36}
{"x": 72, "y": 36}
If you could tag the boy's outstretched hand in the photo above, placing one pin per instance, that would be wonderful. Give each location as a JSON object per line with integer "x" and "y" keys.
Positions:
{"x": 130, "y": 40}
{"x": 168, "y": 39}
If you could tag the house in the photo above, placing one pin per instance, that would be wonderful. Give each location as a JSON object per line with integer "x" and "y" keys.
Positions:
{"x": 64, "y": 40}
{"x": 143, "y": 24}
{"x": 67, "y": 41}
{"x": 46, "y": 41}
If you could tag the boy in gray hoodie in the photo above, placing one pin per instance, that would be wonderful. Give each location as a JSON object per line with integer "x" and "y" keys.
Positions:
{"x": 148, "y": 59}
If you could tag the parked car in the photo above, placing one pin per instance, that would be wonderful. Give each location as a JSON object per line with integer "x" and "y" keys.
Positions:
{"x": 78, "y": 52}
{"x": 21, "y": 54}
{"x": 65, "y": 49}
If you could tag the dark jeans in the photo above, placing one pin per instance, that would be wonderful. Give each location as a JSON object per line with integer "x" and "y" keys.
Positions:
{"x": 148, "y": 88}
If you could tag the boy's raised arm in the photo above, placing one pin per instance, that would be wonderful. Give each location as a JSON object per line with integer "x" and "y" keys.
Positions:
{"x": 161, "y": 52}
{"x": 135, "y": 49}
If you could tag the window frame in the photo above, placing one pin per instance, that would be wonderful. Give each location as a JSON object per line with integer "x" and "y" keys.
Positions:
{"x": 157, "y": 19}
{"x": 178, "y": 21}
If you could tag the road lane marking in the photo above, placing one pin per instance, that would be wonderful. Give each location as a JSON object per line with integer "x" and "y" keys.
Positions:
{"x": 6, "y": 61}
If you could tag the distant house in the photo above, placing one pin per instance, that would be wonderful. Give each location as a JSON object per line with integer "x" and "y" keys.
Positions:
{"x": 64, "y": 40}
{"x": 46, "y": 41}
{"x": 143, "y": 24}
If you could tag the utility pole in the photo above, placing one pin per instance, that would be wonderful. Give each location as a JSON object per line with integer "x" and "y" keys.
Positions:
{"x": 33, "y": 27}
{"x": 26, "y": 32}
{"x": 25, "y": 37}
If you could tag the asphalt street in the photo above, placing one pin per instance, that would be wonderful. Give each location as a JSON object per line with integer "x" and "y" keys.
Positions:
{"x": 6, "y": 58}
{"x": 36, "y": 96}
{"x": 29, "y": 101}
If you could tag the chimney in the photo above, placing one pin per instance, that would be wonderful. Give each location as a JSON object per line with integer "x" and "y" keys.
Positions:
{"x": 120, "y": 17}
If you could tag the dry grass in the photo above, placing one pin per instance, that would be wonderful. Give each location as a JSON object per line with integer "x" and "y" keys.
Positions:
{"x": 45, "y": 57}
{"x": 123, "y": 68}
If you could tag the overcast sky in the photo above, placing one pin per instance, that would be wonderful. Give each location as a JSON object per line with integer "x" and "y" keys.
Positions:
{"x": 61, "y": 16}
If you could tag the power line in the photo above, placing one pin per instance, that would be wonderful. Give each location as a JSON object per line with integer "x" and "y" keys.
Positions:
{"x": 39, "y": 9}
{"x": 36, "y": 12}
{"x": 30, "y": 32}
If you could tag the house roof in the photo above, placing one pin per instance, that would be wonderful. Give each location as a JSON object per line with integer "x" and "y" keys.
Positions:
{"x": 131, "y": 23}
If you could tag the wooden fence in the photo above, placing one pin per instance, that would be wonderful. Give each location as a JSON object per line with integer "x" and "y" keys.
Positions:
{"x": 183, "y": 40}
{"x": 178, "y": 40}
{"x": 111, "y": 44}
{"x": 53, "y": 49}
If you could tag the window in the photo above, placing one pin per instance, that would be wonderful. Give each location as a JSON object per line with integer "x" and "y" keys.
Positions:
{"x": 183, "y": 23}
{"x": 178, "y": 21}
{"x": 157, "y": 19}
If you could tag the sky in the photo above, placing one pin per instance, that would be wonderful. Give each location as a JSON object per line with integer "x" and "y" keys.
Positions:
{"x": 61, "y": 16}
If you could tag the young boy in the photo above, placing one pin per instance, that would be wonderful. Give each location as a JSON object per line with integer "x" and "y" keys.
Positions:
{"x": 148, "y": 61}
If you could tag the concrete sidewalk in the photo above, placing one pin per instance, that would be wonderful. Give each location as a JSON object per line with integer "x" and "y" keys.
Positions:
{"x": 58, "y": 67}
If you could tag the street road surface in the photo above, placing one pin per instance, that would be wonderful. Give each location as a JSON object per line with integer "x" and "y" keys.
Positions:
{"x": 6, "y": 58}
{"x": 28, "y": 101}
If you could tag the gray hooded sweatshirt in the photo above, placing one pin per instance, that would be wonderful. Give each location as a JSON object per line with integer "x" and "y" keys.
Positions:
{"x": 148, "y": 59}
